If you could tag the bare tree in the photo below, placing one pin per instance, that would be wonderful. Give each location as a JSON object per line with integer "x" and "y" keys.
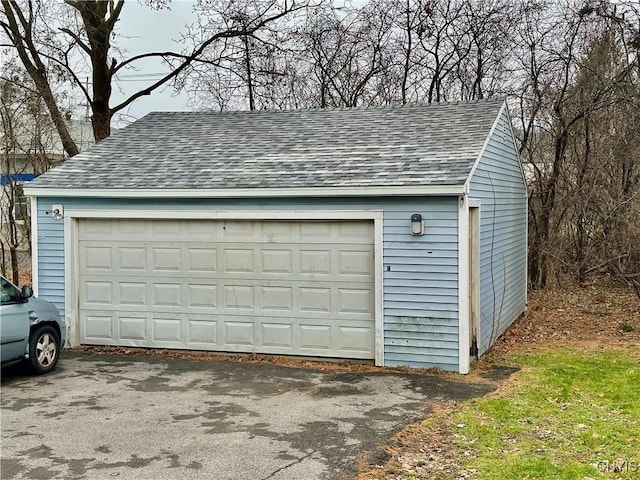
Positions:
{"x": 346, "y": 54}
{"x": 488, "y": 27}
{"x": 25, "y": 24}
{"x": 572, "y": 75}
{"x": 27, "y": 137}
{"x": 444, "y": 44}
{"x": 250, "y": 71}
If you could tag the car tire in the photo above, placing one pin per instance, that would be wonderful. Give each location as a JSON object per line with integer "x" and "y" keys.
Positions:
{"x": 44, "y": 349}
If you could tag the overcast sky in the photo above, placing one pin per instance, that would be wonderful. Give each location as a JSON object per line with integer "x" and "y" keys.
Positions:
{"x": 141, "y": 29}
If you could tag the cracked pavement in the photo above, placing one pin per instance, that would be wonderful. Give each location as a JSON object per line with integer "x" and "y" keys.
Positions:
{"x": 153, "y": 417}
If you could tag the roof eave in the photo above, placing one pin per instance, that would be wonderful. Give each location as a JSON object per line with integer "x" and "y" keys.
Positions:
{"x": 364, "y": 191}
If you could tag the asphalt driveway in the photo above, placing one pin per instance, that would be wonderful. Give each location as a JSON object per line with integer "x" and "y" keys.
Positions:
{"x": 153, "y": 417}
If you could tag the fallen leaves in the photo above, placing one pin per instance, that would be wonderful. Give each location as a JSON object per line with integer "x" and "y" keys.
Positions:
{"x": 592, "y": 317}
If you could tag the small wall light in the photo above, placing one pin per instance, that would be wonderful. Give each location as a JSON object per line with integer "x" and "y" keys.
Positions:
{"x": 57, "y": 212}
{"x": 417, "y": 225}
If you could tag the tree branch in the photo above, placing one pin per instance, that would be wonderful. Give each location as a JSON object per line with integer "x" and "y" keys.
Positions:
{"x": 78, "y": 40}
{"x": 195, "y": 54}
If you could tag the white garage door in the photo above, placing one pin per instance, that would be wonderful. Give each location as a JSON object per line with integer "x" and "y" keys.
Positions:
{"x": 286, "y": 287}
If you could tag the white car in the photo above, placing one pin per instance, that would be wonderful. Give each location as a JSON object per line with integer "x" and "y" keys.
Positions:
{"x": 31, "y": 328}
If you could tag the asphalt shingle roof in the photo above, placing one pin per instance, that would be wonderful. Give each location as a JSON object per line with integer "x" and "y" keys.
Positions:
{"x": 410, "y": 145}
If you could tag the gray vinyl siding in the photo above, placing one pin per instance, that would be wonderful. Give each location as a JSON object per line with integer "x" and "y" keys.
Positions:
{"x": 420, "y": 279}
{"x": 499, "y": 184}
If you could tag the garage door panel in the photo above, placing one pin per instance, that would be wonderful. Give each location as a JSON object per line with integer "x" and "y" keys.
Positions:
{"x": 97, "y": 258}
{"x": 128, "y": 228}
{"x": 315, "y": 299}
{"x": 132, "y": 327}
{"x": 238, "y": 297}
{"x": 96, "y": 229}
{"x": 167, "y": 330}
{"x": 281, "y": 232}
{"x": 355, "y": 232}
{"x": 240, "y": 286}
{"x": 132, "y": 293}
{"x": 317, "y": 231}
{"x": 315, "y": 262}
{"x": 98, "y": 292}
{"x": 279, "y": 335}
{"x": 236, "y": 230}
{"x": 276, "y": 261}
{"x": 239, "y": 333}
{"x": 167, "y": 294}
{"x": 202, "y": 260}
{"x": 98, "y": 327}
{"x": 203, "y": 332}
{"x": 131, "y": 258}
{"x": 351, "y": 300}
{"x": 355, "y": 263}
{"x": 167, "y": 230}
{"x": 276, "y": 298}
{"x": 200, "y": 231}
{"x": 315, "y": 337}
{"x": 166, "y": 259}
{"x": 238, "y": 260}
{"x": 202, "y": 296}
{"x": 355, "y": 339}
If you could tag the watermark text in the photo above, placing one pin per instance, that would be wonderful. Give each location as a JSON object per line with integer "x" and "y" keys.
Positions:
{"x": 619, "y": 466}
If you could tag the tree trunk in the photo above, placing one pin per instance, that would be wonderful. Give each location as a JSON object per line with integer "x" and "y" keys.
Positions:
{"x": 98, "y": 30}
{"x": 247, "y": 61}
{"x": 20, "y": 29}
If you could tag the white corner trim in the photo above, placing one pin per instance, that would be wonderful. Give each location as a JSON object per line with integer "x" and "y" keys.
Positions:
{"x": 34, "y": 245}
{"x": 474, "y": 202}
{"x": 378, "y": 256}
{"x": 526, "y": 249}
{"x": 484, "y": 146}
{"x": 71, "y": 312}
{"x": 464, "y": 342}
{"x": 428, "y": 190}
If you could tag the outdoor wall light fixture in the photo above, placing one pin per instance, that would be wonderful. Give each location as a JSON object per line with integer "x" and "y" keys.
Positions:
{"x": 57, "y": 212}
{"x": 417, "y": 225}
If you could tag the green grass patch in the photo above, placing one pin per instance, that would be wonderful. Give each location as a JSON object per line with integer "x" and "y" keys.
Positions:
{"x": 568, "y": 414}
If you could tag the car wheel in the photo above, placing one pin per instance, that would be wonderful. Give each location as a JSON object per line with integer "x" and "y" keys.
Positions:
{"x": 44, "y": 349}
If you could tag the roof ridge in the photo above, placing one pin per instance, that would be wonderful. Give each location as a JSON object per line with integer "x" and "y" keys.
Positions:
{"x": 391, "y": 106}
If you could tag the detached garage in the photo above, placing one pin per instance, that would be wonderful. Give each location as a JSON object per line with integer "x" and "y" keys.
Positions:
{"x": 396, "y": 234}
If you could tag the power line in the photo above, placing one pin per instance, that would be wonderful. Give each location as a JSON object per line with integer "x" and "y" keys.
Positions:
{"x": 141, "y": 75}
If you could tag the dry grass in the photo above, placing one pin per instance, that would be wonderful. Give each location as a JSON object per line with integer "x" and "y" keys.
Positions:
{"x": 587, "y": 316}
